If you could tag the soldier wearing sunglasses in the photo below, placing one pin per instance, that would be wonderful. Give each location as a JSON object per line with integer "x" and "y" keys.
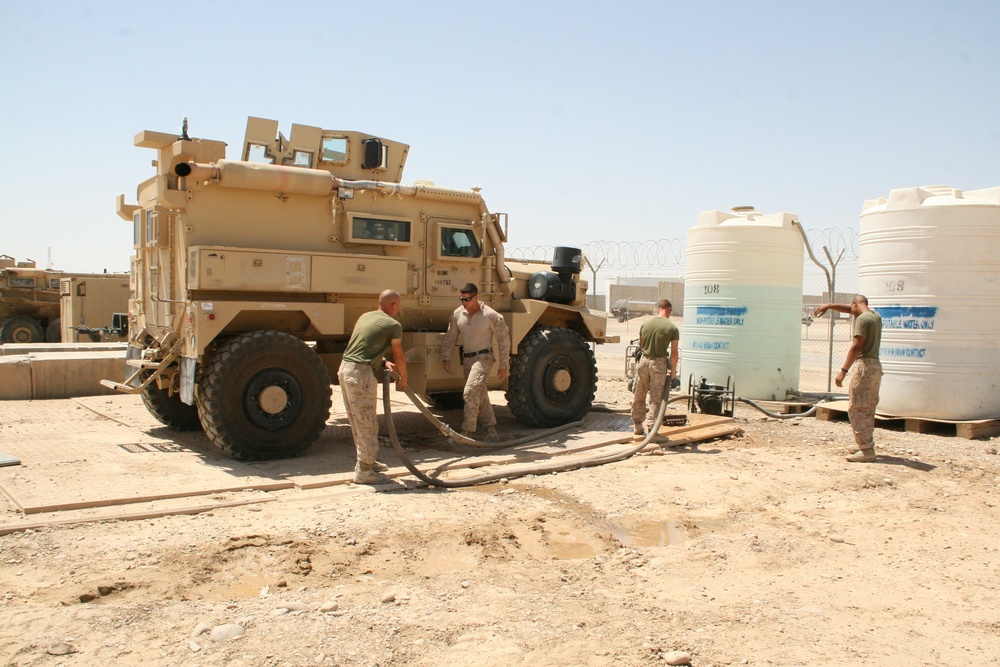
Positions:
{"x": 479, "y": 326}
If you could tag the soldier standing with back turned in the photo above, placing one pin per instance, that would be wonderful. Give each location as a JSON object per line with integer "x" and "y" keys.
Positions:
{"x": 658, "y": 338}
{"x": 374, "y": 333}
{"x": 867, "y": 378}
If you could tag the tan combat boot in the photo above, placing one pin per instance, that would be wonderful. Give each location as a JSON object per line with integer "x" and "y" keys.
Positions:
{"x": 862, "y": 456}
{"x": 491, "y": 434}
{"x": 367, "y": 474}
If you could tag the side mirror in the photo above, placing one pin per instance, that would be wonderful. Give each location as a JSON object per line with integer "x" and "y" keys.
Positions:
{"x": 373, "y": 153}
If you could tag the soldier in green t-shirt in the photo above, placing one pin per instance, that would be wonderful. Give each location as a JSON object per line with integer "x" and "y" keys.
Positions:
{"x": 658, "y": 338}
{"x": 863, "y": 390}
{"x": 374, "y": 333}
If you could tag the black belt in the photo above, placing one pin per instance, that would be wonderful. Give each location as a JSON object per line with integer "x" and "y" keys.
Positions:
{"x": 469, "y": 355}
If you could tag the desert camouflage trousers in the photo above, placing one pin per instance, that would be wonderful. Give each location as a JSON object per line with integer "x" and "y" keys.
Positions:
{"x": 863, "y": 392}
{"x": 651, "y": 380}
{"x": 360, "y": 391}
{"x": 477, "y": 397}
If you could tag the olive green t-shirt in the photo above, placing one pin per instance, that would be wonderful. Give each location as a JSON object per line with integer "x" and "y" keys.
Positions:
{"x": 372, "y": 335}
{"x": 656, "y": 334}
{"x": 869, "y": 325}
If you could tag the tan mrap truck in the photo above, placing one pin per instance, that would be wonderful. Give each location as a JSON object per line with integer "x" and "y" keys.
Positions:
{"x": 29, "y": 302}
{"x": 250, "y": 275}
{"x": 95, "y": 307}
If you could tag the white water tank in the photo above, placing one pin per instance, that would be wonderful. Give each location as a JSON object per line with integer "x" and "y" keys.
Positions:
{"x": 743, "y": 302}
{"x": 930, "y": 266}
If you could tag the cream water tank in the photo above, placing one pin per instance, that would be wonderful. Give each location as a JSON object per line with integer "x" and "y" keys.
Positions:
{"x": 930, "y": 266}
{"x": 743, "y": 302}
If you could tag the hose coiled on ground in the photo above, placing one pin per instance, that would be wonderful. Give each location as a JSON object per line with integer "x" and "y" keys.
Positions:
{"x": 493, "y": 477}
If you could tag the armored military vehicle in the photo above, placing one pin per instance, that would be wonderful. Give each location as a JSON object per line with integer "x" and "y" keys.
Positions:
{"x": 250, "y": 274}
{"x": 29, "y": 302}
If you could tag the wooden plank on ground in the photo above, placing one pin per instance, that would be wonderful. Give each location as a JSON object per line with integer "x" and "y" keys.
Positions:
{"x": 130, "y": 516}
{"x": 701, "y": 435}
{"x": 38, "y": 508}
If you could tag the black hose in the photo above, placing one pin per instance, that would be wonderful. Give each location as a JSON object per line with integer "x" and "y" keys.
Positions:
{"x": 825, "y": 396}
{"x": 492, "y": 477}
{"x": 777, "y": 415}
{"x": 458, "y": 438}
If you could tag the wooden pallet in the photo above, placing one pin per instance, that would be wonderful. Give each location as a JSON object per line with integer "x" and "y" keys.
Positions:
{"x": 970, "y": 430}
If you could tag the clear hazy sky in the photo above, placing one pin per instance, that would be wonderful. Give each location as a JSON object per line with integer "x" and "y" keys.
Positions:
{"x": 584, "y": 121}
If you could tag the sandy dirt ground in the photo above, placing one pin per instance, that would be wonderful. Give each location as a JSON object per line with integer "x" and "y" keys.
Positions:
{"x": 763, "y": 549}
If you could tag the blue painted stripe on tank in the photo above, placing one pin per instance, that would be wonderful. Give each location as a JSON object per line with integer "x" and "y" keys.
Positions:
{"x": 722, "y": 311}
{"x": 720, "y": 316}
{"x": 906, "y": 311}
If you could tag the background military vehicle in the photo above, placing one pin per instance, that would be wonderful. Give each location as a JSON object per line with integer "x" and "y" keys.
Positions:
{"x": 250, "y": 274}
{"x": 30, "y": 301}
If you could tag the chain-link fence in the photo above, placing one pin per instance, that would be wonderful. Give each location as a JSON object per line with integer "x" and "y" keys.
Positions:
{"x": 627, "y": 278}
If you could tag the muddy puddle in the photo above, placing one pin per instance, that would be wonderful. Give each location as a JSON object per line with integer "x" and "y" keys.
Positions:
{"x": 588, "y": 533}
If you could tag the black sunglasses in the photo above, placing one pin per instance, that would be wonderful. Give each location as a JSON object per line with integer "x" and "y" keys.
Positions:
{"x": 465, "y": 298}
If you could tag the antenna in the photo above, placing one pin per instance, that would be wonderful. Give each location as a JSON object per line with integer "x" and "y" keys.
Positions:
{"x": 49, "y": 266}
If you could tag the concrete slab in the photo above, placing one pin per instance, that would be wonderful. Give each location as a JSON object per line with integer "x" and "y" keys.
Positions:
{"x": 8, "y": 349}
{"x": 103, "y": 451}
{"x": 68, "y": 374}
{"x": 62, "y": 374}
{"x": 15, "y": 377}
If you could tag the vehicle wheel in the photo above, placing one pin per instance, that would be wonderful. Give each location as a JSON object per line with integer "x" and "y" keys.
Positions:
{"x": 264, "y": 395}
{"x": 170, "y": 410}
{"x": 21, "y": 329}
{"x": 446, "y": 400}
{"x": 553, "y": 378}
{"x": 53, "y": 332}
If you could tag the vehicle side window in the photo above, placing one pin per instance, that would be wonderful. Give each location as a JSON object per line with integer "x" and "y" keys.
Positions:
{"x": 334, "y": 149}
{"x": 258, "y": 153}
{"x": 376, "y": 229}
{"x": 459, "y": 242}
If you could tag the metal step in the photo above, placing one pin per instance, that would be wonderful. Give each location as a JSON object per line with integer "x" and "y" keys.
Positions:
{"x": 141, "y": 363}
{"x": 119, "y": 386}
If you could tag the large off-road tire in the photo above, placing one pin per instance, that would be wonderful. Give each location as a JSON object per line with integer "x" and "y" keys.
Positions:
{"x": 170, "y": 410}
{"x": 53, "y": 332}
{"x": 553, "y": 378}
{"x": 264, "y": 395}
{"x": 21, "y": 329}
